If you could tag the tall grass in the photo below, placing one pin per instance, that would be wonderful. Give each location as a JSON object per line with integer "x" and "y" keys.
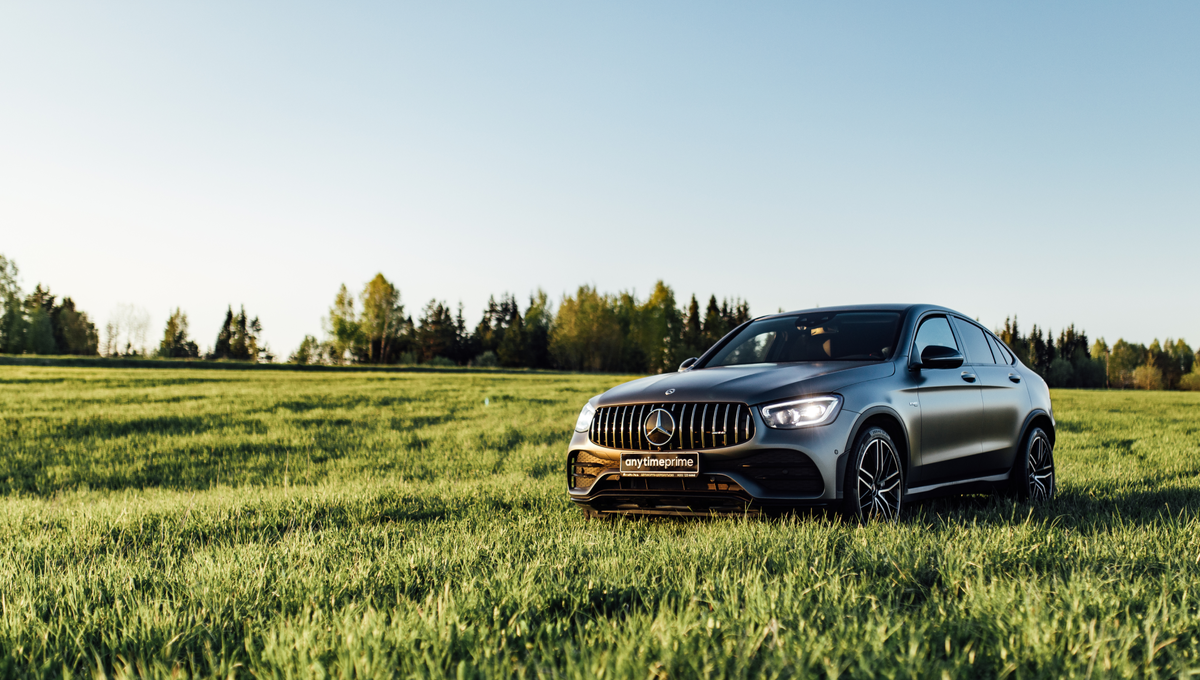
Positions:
{"x": 393, "y": 525}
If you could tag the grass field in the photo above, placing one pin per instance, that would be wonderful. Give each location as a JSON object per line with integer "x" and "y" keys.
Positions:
{"x": 287, "y": 525}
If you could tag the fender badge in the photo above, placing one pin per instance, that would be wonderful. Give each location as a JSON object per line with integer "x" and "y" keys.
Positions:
{"x": 913, "y": 403}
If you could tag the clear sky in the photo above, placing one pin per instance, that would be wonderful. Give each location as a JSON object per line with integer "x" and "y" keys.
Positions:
{"x": 1033, "y": 158}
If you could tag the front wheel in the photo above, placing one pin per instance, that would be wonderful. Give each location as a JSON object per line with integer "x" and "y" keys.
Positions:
{"x": 1033, "y": 472}
{"x": 874, "y": 485}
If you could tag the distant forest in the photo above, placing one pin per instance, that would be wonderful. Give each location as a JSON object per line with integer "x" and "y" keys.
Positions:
{"x": 588, "y": 331}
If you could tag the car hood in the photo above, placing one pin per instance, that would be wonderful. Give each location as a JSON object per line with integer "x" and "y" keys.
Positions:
{"x": 751, "y": 384}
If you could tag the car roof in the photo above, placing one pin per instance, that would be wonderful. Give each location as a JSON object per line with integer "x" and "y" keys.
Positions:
{"x": 918, "y": 308}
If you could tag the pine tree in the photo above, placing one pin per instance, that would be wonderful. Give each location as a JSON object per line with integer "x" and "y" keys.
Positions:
{"x": 714, "y": 324}
{"x": 484, "y": 339}
{"x": 223, "y": 348}
{"x": 538, "y": 324}
{"x": 511, "y": 350}
{"x": 74, "y": 331}
{"x": 12, "y": 320}
{"x": 435, "y": 332}
{"x": 462, "y": 339}
{"x": 692, "y": 333}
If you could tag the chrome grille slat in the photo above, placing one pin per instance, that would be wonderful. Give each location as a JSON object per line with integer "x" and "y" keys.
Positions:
{"x": 692, "y": 429}
{"x": 640, "y": 430}
{"x": 623, "y": 439}
{"x": 631, "y": 427}
{"x": 679, "y": 430}
{"x": 698, "y": 426}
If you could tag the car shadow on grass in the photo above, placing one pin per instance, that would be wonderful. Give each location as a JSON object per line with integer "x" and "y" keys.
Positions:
{"x": 1087, "y": 510}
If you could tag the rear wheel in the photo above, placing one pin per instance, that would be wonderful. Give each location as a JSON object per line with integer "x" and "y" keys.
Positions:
{"x": 1033, "y": 475}
{"x": 874, "y": 484}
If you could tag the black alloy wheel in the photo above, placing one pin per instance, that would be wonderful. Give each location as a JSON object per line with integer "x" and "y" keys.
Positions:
{"x": 874, "y": 486}
{"x": 1033, "y": 473}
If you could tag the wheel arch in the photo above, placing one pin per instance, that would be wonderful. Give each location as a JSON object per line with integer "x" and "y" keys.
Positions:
{"x": 1037, "y": 418}
{"x": 891, "y": 422}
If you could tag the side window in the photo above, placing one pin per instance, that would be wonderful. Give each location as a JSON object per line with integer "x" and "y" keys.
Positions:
{"x": 978, "y": 351}
{"x": 1002, "y": 356}
{"x": 934, "y": 331}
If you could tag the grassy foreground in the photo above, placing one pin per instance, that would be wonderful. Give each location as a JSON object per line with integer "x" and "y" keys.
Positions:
{"x": 236, "y": 524}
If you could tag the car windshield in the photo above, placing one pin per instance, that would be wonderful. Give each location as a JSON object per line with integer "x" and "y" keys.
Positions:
{"x": 830, "y": 336}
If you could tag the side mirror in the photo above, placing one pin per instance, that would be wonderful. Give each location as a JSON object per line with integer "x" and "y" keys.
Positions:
{"x": 688, "y": 363}
{"x": 937, "y": 356}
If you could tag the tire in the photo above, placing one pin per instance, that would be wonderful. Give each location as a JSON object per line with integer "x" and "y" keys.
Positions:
{"x": 874, "y": 484}
{"x": 1033, "y": 477}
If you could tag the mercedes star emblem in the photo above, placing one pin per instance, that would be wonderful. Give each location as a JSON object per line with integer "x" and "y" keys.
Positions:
{"x": 659, "y": 427}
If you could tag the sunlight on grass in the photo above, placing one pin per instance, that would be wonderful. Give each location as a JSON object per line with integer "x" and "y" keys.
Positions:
{"x": 392, "y": 525}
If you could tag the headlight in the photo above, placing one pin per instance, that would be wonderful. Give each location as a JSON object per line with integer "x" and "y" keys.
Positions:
{"x": 789, "y": 415}
{"x": 585, "y": 418}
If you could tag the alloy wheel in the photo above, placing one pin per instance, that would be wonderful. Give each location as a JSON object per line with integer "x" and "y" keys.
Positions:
{"x": 1040, "y": 468}
{"x": 879, "y": 481}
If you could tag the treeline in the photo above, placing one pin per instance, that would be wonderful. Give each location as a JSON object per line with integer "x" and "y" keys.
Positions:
{"x": 589, "y": 331}
{"x": 39, "y": 323}
{"x": 238, "y": 339}
{"x": 1072, "y": 362}
{"x": 593, "y": 331}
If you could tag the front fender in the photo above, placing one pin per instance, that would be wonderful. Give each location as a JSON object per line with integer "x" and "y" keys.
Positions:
{"x": 860, "y": 422}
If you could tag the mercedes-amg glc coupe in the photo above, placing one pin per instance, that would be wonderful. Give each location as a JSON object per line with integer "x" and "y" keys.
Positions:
{"x": 861, "y": 408}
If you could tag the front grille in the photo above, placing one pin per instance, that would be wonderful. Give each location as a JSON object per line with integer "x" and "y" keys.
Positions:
{"x": 780, "y": 470}
{"x": 697, "y": 426}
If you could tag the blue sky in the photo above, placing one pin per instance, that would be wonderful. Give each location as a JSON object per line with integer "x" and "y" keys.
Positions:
{"x": 1030, "y": 158}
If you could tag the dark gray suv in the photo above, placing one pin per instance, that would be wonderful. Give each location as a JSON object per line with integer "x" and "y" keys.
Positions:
{"x": 861, "y": 408}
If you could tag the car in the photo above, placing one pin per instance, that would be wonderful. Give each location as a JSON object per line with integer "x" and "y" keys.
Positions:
{"x": 856, "y": 408}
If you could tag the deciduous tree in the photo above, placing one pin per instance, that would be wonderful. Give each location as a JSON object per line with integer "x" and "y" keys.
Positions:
{"x": 346, "y": 335}
{"x": 382, "y": 319}
{"x": 586, "y": 334}
{"x": 175, "y": 343}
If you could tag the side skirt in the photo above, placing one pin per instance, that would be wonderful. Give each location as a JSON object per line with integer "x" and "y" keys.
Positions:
{"x": 973, "y": 485}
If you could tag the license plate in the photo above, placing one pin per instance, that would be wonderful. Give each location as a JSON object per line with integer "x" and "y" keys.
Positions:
{"x": 660, "y": 464}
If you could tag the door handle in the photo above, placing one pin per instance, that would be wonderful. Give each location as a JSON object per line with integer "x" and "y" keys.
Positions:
{"x": 1014, "y": 377}
{"x": 968, "y": 376}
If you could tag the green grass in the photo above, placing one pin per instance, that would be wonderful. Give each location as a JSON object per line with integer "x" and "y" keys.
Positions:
{"x": 280, "y": 524}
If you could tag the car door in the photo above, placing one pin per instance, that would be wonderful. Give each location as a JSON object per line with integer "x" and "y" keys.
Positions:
{"x": 1005, "y": 399}
{"x": 951, "y": 410}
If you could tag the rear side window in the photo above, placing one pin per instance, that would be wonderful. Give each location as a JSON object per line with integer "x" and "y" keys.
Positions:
{"x": 1002, "y": 355}
{"x": 934, "y": 331}
{"x": 978, "y": 351}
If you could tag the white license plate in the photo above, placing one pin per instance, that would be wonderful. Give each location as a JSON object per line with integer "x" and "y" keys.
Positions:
{"x": 673, "y": 464}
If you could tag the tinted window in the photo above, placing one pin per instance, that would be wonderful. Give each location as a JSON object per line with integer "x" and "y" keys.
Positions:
{"x": 845, "y": 336}
{"x": 978, "y": 351}
{"x": 935, "y": 331}
{"x": 1002, "y": 356}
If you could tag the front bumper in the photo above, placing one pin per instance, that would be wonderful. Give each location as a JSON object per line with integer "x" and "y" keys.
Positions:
{"x": 775, "y": 469}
